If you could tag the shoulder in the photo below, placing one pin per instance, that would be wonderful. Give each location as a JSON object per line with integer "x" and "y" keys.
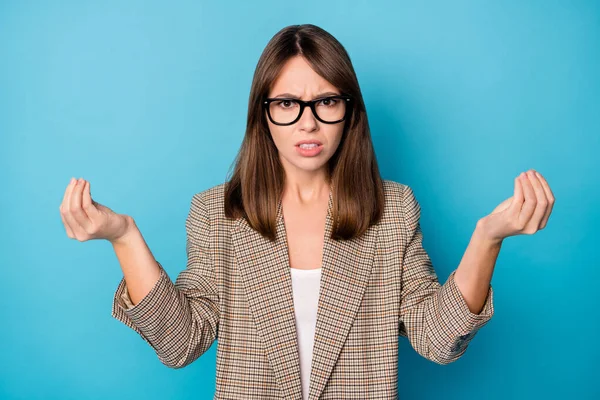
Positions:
{"x": 206, "y": 211}
{"x": 395, "y": 192}
{"x": 393, "y": 189}
{"x": 400, "y": 200}
{"x": 209, "y": 202}
{"x": 212, "y": 198}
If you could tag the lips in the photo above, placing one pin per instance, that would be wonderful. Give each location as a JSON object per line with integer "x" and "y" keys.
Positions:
{"x": 310, "y": 151}
{"x": 309, "y": 142}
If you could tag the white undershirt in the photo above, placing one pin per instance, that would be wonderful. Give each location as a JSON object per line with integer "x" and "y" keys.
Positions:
{"x": 305, "y": 285}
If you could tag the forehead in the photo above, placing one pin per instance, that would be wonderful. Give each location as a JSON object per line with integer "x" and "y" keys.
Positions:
{"x": 298, "y": 78}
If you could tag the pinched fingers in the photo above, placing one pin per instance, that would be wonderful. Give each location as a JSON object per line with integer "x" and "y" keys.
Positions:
{"x": 76, "y": 206}
{"x": 529, "y": 205}
{"x": 87, "y": 203}
{"x": 63, "y": 210}
{"x": 549, "y": 197}
{"x": 71, "y": 213}
{"x": 541, "y": 201}
{"x": 518, "y": 197}
{"x": 74, "y": 230}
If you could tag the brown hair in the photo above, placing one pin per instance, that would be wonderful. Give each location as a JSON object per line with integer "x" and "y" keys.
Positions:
{"x": 257, "y": 183}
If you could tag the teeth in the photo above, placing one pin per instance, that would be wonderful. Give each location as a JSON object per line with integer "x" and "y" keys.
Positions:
{"x": 308, "y": 145}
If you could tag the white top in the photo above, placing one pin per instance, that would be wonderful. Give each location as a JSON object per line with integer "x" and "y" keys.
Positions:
{"x": 306, "y": 285}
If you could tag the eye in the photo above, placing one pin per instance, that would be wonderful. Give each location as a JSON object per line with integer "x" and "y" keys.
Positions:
{"x": 328, "y": 102}
{"x": 285, "y": 104}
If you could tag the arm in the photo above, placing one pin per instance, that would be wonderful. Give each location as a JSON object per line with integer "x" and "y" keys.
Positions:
{"x": 474, "y": 273}
{"x": 140, "y": 270}
{"x": 179, "y": 320}
{"x": 525, "y": 212}
{"x": 436, "y": 318}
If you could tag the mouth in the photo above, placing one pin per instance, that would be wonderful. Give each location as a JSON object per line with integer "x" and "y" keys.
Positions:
{"x": 309, "y": 148}
{"x": 308, "y": 144}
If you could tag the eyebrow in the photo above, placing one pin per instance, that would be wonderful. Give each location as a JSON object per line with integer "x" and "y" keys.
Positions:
{"x": 289, "y": 95}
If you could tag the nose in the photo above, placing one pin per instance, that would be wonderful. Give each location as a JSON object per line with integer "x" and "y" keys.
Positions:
{"x": 307, "y": 120}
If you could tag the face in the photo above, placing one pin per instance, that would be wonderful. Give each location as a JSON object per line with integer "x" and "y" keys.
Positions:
{"x": 298, "y": 80}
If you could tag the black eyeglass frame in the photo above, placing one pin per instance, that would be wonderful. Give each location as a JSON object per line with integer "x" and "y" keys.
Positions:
{"x": 311, "y": 104}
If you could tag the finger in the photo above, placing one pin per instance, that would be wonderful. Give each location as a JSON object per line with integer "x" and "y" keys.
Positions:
{"x": 64, "y": 205}
{"x": 518, "y": 197}
{"x": 67, "y": 227}
{"x": 66, "y": 195}
{"x": 76, "y": 211}
{"x": 549, "y": 196}
{"x": 541, "y": 201}
{"x": 75, "y": 228}
{"x": 530, "y": 202}
{"x": 67, "y": 201}
{"x": 86, "y": 201}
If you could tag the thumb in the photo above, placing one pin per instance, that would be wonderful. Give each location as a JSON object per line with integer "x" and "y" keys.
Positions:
{"x": 518, "y": 197}
{"x": 87, "y": 201}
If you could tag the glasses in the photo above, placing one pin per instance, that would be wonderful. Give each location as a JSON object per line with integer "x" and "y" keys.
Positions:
{"x": 287, "y": 111}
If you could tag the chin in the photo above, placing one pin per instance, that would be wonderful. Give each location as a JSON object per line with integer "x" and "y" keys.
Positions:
{"x": 312, "y": 164}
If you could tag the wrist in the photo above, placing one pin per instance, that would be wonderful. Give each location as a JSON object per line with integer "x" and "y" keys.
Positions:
{"x": 483, "y": 235}
{"x": 129, "y": 230}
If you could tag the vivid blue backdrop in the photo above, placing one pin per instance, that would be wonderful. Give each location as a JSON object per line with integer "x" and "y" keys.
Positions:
{"x": 147, "y": 100}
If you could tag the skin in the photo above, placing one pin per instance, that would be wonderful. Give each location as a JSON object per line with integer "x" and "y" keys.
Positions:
{"x": 306, "y": 191}
{"x": 85, "y": 219}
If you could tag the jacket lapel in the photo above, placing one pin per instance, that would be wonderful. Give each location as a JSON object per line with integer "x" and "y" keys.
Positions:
{"x": 265, "y": 272}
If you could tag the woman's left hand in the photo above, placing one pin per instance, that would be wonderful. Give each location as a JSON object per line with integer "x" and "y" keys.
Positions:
{"x": 524, "y": 213}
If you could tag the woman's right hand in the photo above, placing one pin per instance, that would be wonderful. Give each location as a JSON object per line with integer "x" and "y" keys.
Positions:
{"x": 85, "y": 219}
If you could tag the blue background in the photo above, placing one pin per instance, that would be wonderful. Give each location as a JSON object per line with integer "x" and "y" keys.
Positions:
{"x": 148, "y": 101}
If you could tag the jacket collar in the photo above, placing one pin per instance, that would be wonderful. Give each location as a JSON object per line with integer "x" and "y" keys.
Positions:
{"x": 265, "y": 272}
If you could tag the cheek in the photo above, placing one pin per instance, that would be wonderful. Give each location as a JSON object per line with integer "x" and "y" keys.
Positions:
{"x": 280, "y": 136}
{"x": 334, "y": 138}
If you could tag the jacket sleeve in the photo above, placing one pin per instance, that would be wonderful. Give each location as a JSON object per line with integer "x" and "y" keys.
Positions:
{"x": 434, "y": 317}
{"x": 178, "y": 320}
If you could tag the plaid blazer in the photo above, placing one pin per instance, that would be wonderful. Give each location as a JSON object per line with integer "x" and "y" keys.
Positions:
{"x": 237, "y": 289}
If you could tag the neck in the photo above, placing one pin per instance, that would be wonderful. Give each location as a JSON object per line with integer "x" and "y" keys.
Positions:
{"x": 307, "y": 187}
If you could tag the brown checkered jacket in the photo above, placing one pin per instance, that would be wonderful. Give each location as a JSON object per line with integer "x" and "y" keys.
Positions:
{"x": 237, "y": 289}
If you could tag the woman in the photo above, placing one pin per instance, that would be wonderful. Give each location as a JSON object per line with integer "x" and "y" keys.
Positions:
{"x": 310, "y": 305}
